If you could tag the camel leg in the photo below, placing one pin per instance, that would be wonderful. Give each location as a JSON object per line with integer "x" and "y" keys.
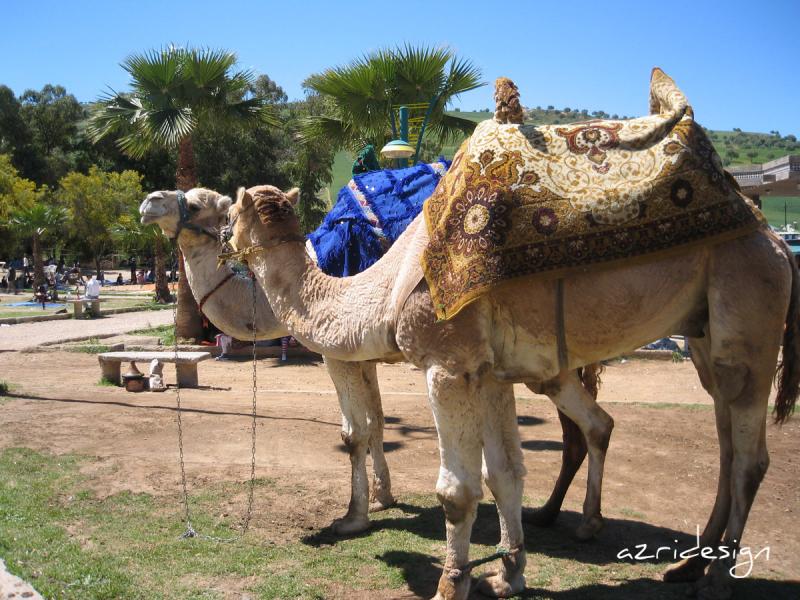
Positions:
{"x": 747, "y": 409}
{"x": 458, "y": 416}
{"x": 745, "y": 340}
{"x": 503, "y": 472}
{"x": 353, "y": 394}
{"x": 572, "y": 455}
{"x": 381, "y": 496}
{"x": 595, "y": 424}
{"x": 693, "y": 568}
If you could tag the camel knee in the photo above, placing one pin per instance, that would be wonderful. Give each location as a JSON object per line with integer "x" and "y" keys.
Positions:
{"x": 599, "y": 434}
{"x": 354, "y": 440}
{"x": 732, "y": 381}
{"x": 459, "y": 500}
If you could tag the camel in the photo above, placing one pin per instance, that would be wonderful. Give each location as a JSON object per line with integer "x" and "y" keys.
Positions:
{"x": 226, "y": 300}
{"x": 711, "y": 293}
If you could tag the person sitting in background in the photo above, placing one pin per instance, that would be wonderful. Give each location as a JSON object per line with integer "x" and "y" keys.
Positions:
{"x": 41, "y": 295}
{"x": 12, "y": 279}
{"x": 140, "y": 277}
{"x": 4, "y": 283}
{"x": 93, "y": 288}
{"x": 119, "y": 279}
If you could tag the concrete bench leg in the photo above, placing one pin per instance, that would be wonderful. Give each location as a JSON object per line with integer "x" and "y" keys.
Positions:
{"x": 95, "y": 309}
{"x": 110, "y": 370}
{"x": 78, "y": 309}
{"x": 187, "y": 374}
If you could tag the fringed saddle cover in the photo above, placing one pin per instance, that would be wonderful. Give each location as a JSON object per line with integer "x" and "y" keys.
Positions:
{"x": 549, "y": 200}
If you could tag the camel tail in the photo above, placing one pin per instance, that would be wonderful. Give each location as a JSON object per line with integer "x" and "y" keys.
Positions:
{"x": 590, "y": 377}
{"x": 788, "y": 373}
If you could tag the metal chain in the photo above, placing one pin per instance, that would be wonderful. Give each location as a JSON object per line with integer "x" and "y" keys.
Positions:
{"x": 190, "y": 531}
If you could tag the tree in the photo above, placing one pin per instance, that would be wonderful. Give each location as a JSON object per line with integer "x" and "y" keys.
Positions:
{"x": 135, "y": 238}
{"x": 35, "y": 221}
{"x": 309, "y": 166}
{"x": 16, "y": 194}
{"x": 52, "y": 116}
{"x": 95, "y": 202}
{"x": 362, "y": 96}
{"x": 174, "y": 90}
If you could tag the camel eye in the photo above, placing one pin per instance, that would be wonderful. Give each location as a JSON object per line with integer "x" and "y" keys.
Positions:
{"x": 194, "y": 208}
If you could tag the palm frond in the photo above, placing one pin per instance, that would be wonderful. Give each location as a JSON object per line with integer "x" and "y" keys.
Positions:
{"x": 449, "y": 128}
{"x": 172, "y": 90}
{"x": 364, "y": 92}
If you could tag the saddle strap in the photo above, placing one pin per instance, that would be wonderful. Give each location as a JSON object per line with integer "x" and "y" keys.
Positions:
{"x": 561, "y": 335}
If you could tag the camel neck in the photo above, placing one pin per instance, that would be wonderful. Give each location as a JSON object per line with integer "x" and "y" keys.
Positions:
{"x": 344, "y": 318}
{"x": 230, "y": 307}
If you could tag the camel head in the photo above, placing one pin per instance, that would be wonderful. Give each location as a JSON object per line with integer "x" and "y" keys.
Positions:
{"x": 262, "y": 216}
{"x": 203, "y": 211}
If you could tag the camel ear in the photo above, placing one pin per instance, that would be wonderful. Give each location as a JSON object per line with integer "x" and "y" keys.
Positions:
{"x": 223, "y": 204}
{"x": 293, "y": 195}
{"x": 243, "y": 198}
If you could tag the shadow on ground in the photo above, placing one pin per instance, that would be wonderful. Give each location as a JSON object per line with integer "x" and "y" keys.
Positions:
{"x": 421, "y": 571}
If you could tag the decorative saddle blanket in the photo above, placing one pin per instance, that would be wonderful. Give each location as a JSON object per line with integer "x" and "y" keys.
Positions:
{"x": 370, "y": 213}
{"x": 548, "y": 200}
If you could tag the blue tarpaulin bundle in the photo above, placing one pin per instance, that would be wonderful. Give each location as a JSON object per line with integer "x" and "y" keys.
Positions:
{"x": 371, "y": 212}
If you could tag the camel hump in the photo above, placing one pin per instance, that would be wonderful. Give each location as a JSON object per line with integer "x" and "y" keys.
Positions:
{"x": 507, "y": 106}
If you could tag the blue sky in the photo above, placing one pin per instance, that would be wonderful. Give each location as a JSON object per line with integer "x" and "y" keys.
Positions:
{"x": 738, "y": 62}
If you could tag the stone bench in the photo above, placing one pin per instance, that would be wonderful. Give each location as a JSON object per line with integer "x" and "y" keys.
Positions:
{"x": 185, "y": 364}
{"x": 93, "y": 303}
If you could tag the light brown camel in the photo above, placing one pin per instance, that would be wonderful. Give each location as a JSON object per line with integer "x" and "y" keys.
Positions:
{"x": 226, "y": 300}
{"x": 714, "y": 294}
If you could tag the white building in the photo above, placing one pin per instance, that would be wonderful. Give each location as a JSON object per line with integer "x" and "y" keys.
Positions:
{"x": 779, "y": 177}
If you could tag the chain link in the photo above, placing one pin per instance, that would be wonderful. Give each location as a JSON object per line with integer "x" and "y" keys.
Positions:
{"x": 190, "y": 531}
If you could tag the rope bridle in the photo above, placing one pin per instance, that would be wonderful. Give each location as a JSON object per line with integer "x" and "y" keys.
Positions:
{"x": 184, "y": 220}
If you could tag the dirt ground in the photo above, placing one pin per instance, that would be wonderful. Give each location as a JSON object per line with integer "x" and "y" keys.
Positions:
{"x": 660, "y": 473}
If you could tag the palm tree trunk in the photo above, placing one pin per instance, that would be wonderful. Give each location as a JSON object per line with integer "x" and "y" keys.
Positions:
{"x": 162, "y": 287}
{"x": 38, "y": 265}
{"x": 186, "y": 174}
{"x": 190, "y": 322}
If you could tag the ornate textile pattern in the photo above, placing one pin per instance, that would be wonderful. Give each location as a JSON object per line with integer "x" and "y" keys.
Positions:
{"x": 524, "y": 200}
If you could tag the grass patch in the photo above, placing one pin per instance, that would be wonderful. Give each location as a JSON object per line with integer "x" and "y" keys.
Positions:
{"x": 91, "y": 346}
{"x": 5, "y": 387}
{"x": 165, "y": 333}
{"x": 71, "y": 544}
{"x": 107, "y": 382}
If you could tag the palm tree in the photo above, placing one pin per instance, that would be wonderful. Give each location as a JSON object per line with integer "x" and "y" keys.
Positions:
{"x": 35, "y": 221}
{"x": 362, "y": 96}
{"x": 135, "y": 237}
{"x": 173, "y": 90}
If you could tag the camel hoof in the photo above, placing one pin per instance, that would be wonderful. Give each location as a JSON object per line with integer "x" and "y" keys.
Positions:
{"x": 540, "y": 517}
{"x": 588, "y": 529}
{"x": 686, "y": 571}
{"x": 379, "y": 504}
{"x": 350, "y": 525}
{"x": 453, "y": 590}
{"x": 494, "y": 584}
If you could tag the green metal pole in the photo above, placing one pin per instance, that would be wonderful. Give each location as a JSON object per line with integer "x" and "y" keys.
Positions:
{"x": 403, "y": 162}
